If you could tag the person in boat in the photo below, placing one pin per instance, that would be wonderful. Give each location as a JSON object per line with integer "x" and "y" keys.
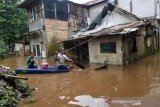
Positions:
{"x": 31, "y": 62}
{"x": 61, "y": 58}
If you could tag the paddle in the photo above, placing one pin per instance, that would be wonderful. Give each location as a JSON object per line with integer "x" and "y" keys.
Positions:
{"x": 79, "y": 65}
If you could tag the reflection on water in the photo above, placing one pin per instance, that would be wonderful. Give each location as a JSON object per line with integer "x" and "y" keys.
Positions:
{"x": 88, "y": 101}
{"x": 57, "y": 90}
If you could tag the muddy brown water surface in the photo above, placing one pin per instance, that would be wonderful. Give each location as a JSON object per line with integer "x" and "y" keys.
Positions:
{"x": 134, "y": 85}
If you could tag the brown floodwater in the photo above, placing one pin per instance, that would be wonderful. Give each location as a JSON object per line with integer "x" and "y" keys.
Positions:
{"x": 134, "y": 85}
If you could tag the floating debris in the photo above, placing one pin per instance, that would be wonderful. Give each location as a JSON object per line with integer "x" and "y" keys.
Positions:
{"x": 89, "y": 101}
{"x": 12, "y": 88}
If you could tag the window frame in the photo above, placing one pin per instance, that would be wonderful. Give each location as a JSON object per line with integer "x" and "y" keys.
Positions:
{"x": 111, "y": 45}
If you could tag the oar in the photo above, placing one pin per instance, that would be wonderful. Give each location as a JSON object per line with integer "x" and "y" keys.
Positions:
{"x": 79, "y": 65}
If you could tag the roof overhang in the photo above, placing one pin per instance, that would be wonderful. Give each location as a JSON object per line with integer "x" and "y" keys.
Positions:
{"x": 122, "y": 29}
{"x": 28, "y": 3}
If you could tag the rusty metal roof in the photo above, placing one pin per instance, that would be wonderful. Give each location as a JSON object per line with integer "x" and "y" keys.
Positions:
{"x": 114, "y": 30}
{"x": 120, "y": 29}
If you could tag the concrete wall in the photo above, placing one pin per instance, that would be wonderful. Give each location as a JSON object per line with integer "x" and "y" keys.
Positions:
{"x": 77, "y": 18}
{"x": 111, "y": 19}
{"x": 141, "y": 8}
{"x": 36, "y": 25}
{"x": 158, "y": 9}
{"x": 112, "y": 58}
{"x": 94, "y": 11}
{"x": 124, "y": 4}
{"x": 140, "y": 46}
{"x": 117, "y": 18}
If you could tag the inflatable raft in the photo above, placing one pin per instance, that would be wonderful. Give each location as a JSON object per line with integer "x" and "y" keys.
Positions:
{"x": 50, "y": 69}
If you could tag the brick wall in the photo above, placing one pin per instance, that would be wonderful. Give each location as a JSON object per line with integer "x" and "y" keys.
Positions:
{"x": 55, "y": 29}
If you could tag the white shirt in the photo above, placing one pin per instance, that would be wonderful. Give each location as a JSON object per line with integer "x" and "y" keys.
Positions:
{"x": 61, "y": 58}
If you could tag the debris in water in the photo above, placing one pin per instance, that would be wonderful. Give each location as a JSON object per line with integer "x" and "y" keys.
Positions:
{"x": 12, "y": 88}
{"x": 62, "y": 97}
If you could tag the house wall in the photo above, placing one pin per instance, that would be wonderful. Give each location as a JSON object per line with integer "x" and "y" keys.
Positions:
{"x": 94, "y": 11}
{"x": 55, "y": 29}
{"x": 37, "y": 38}
{"x": 141, "y": 8}
{"x": 140, "y": 45}
{"x": 77, "y": 18}
{"x": 111, "y": 19}
{"x": 112, "y": 58}
{"x": 18, "y": 46}
{"x": 130, "y": 55}
{"x": 117, "y": 18}
{"x": 38, "y": 23}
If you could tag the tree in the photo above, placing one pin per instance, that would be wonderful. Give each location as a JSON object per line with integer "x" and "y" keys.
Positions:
{"x": 13, "y": 22}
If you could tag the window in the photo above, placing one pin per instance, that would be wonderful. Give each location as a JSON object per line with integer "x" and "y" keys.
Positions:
{"x": 34, "y": 14}
{"x": 49, "y": 9}
{"x": 62, "y": 11}
{"x": 49, "y": 14}
{"x": 36, "y": 49}
{"x": 108, "y": 47}
{"x": 56, "y": 9}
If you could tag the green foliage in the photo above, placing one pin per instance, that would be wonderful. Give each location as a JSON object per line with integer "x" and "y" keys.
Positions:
{"x": 3, "y": 49}
{"x": 9, "y": 98}
{"x": 13, "y": 22}
{"x": 53, "y": 47}
{"x": 12, "y": 90}
{"x": 23, "y": 87}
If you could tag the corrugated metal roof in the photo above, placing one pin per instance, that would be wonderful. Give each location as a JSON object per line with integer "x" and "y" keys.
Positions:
{"x": 120, "y": 29}
{"x": 114, "y": 30}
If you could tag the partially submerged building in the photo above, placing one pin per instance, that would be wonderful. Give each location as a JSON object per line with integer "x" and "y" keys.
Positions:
{"x": 114, "y": 36}
{"x": 51, "y": 21}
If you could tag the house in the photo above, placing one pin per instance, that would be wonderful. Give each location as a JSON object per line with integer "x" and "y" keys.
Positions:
{"x": 21, "y": 48}
{"x": 149, "y": 9}
{"x": 114, "y": 35}
{"x": 146, "y": 9}
{"x": 50, "y": 21}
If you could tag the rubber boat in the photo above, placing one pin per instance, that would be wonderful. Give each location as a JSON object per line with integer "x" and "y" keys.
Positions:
{"x": 50, "y": 69}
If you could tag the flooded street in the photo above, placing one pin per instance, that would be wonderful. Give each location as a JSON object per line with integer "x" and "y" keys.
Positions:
{"x": 136, "y": 84}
